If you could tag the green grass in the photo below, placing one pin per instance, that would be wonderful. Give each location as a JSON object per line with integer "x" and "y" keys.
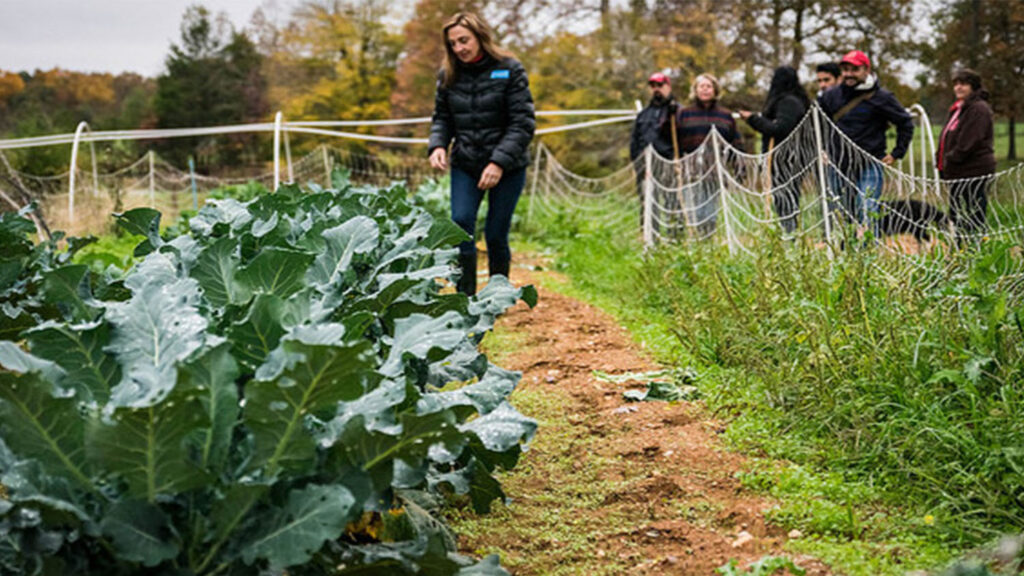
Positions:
{"x": 907, "y": 399}
{"x": 547, "y": 532}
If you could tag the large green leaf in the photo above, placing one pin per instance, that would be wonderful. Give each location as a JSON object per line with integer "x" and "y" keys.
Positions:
{"x": 220, "y": 215}
{"x": 154, "y": 330}
{"x": 275, "y": 271}
{"x": 502, "y": 429}
{"x": 445, "y": 233}
{"x": 91, "y": 372}
{"x": 376, "y": 407}
{"x": 297, "y": 380}
{"x": 13, "y": 321}
{"x": 483, "y": 488}
{"x": 483, "y": 396}
{"x": 34, "y": 423}
{"x": 216, "y": 271}
{"x": 419, "y": 335}
{"x": 212, "y": 376}
{"x": 146, "y": 447}
{"x": 293, "y": 534}
{"x": 356, "y": 236}
{"x": 498, "y": 296}
{"x": 418, "y": 433}
{"x": 464, "y": 364}
{"x": 258, "y": 333}
{"x": 68, "y": 289}
{"x": 140, "y": 532}
{"x": 29, "y": 485}
{"x": 14, "y": 230}
{"x": 10, "y": 271}
{"x": 142, "y": 222}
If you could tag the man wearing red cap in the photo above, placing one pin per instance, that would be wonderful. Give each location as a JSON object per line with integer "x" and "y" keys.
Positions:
{"x": 648, "y": 127}
{"x": 862, "y": 110}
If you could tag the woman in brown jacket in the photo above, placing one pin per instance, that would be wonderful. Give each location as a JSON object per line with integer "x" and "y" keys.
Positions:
{"x": 966, "y": 157}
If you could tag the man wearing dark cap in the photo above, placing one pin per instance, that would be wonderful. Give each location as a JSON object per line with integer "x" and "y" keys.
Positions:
{"x": 863, "y": 110}
{"x": 648, "y": 128}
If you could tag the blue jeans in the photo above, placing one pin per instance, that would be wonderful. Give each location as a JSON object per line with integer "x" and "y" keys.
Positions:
{"x": 860, "y": 198}
{"x": 501, "y": 204}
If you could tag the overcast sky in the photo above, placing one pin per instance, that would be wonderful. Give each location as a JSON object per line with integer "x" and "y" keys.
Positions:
{"x": 101, "y": 35}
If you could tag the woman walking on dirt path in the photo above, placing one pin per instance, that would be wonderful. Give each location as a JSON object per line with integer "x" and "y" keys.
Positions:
{"x": 484, "y": 104}
{"x": 966, "y": 156}
{"x": 785, "y": 107}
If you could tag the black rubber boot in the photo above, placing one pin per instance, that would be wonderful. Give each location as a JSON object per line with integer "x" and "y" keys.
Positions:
{"x": 498, "y": 266}
{"x": 467, "y": 282}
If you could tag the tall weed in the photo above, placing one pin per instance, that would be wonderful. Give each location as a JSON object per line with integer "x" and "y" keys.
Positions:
{"x": 909, "y": 380}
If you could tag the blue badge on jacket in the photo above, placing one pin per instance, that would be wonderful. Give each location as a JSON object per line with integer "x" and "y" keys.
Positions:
{"x": 500, "y": 74}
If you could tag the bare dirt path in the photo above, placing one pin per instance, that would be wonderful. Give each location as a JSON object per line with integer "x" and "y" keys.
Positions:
{"x": 610, "y": 487}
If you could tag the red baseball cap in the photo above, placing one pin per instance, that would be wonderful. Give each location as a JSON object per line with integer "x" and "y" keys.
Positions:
{"x": 659, "y": 78}
{"x": 857, "y": 58}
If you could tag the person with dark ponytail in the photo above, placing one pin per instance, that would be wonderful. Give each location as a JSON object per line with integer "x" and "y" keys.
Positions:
{"x": 484, "y": 105}
{"x": 966, "y": 157}
{"x": 786, "y": 105}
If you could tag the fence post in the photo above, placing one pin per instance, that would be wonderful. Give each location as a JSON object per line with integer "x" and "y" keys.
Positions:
{"x": 288, "y": 155}
{"x": 822, "y": 185}
{"x": 277, "y": 150}
{"x": 648, "y": 196}
{"x": 152, "y": 182}
{"x": 533, "y": 185}
{"x": 73, "y": 170}
{"x": 924, "y": 143}
{"x": 327, "y": 167}
{"x": 192, "y": 176}
{"x": 720, "y": 171}
{"x": 95, "y": 171}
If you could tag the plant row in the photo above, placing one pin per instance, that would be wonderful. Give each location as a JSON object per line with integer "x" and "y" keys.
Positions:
{"x": 282, "y": 385}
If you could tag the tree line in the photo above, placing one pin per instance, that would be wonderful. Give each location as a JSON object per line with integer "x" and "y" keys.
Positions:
{"x": 330, "y": 59}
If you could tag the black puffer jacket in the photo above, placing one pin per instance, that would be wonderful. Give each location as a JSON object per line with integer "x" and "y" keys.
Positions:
{"x": 779, "y": 121}
{"x": 488, "y": 111}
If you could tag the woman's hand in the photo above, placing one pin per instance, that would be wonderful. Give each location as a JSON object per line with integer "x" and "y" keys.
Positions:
{"x": 746, "y": 114}
{"x": 490, "y": 177}
{"x": 439, "y": 159}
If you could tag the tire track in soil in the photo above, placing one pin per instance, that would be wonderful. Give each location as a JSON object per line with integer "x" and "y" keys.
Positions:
{"x": 668, "y": 501}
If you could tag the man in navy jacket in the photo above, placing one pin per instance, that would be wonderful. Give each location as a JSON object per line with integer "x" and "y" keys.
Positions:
{"x": 862, "y": 110}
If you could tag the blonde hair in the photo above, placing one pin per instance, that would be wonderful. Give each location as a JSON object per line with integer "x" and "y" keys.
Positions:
{"x": 483, "y": 34}
{"x": 710, "y": 78}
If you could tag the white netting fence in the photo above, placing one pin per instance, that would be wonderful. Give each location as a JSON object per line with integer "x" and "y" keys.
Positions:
{"x": 81, "y": 201}
{"x": 815, "y": 184}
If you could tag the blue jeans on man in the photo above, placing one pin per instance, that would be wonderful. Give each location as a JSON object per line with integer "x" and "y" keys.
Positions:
{"x": 501, "y": 204}
{"x": 858, "y": 192}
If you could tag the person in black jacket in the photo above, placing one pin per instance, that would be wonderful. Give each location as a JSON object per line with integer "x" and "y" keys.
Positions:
{"x": 649, "y": 122}
{"x": 862, "y": 110}
{"x": 484, "y": 104}
{"x": 785, "y": 107}
{"x": 648, "y": 130}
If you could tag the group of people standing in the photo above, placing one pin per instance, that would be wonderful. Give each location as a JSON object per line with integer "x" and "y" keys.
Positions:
{"x": 484, "y": 111}
{"x": 850, "y": 95}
